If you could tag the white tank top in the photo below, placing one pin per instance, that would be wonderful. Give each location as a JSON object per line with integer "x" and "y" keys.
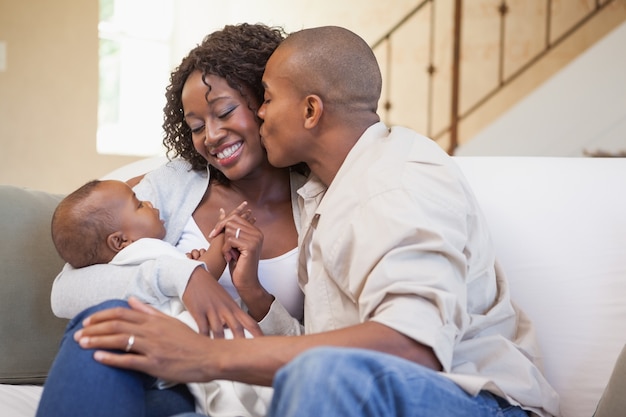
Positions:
{"x": 279, "y": 275}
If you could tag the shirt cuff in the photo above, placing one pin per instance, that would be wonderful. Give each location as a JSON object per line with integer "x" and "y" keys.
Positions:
{"x": 278, "y": 321}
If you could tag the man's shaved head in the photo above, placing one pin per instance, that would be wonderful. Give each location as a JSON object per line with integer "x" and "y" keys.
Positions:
{"x": 335, "y": 64}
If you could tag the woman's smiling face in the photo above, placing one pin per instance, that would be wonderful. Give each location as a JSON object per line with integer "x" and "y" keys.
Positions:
{"x": 225, "y": 129}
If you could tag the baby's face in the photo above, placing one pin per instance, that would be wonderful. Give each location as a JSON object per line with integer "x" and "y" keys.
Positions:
{"x": 137, "y": 219}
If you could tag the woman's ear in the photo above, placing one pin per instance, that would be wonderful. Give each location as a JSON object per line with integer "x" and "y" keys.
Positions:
{"x": 314, "y": 110}
{"x": 116, "y": 241}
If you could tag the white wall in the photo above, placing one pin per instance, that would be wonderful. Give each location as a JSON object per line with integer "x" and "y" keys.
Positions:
{"x": 371, "y": 20}
{"x": 582, "y": 107}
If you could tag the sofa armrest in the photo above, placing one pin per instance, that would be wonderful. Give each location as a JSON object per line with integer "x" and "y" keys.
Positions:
{"x": 613, "y": 401}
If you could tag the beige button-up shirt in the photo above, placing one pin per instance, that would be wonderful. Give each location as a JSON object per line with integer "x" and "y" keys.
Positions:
{"x": 398, "y": 238}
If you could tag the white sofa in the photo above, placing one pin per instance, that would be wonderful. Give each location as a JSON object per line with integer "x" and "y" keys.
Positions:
{"x": 559, "y": 225}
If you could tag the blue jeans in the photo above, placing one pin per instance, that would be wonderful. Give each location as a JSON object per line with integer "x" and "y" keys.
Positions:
{"x": 77, "y": 385}
{"x": 341, "y": 382}
{"x": 355, "y": 382}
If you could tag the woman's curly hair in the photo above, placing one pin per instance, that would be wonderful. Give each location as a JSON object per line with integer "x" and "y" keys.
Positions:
{"x": 237, "y": 53}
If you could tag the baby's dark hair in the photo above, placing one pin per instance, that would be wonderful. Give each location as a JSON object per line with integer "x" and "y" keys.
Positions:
{"x": 80, "y": 228}
{"x": 237, "y": 53}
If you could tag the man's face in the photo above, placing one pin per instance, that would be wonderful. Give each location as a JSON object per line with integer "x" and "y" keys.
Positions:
{"x": 283, "y": 111}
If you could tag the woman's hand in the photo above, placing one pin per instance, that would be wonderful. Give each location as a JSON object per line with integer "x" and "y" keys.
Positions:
{"x": 242, "y": 246}
{"x": 212, "y": 256}
{"x": 213, "y": 308}
{"x": 162, "y": 345}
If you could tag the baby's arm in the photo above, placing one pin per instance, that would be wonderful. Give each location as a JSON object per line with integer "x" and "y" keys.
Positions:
{"x": 212, "y": 257}
{"x": 153, "y": 282}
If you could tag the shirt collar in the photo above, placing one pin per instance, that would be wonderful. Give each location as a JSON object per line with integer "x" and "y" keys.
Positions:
{"x": 315, "y": 189}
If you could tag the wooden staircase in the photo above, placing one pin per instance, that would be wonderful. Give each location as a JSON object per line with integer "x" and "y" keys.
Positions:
{"x": 450, "y": 67}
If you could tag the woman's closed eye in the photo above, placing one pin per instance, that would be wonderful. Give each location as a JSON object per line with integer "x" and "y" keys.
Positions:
{"x": 226, "y": 112}
{"x": 196, "y": 130}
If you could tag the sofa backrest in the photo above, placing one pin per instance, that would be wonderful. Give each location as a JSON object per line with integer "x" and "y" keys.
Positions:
{"x": 559, "y": 226}
{"x": 29, "y": 332}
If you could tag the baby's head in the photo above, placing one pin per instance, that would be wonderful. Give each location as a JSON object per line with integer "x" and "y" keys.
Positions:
{"x": 99, "y": 219}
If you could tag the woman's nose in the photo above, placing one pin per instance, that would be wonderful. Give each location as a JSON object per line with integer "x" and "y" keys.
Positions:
{"x": 149, "y": 204}
{"x": 213, "y": 133}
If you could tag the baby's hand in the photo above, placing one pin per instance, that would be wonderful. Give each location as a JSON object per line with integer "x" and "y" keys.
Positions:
{"x": 196, "y": 254}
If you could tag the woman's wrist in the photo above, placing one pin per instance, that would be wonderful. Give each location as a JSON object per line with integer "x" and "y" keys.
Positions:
{"x": 257, "y": 300}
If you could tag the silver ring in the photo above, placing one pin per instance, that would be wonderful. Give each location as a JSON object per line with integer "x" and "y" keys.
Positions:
{"x": 131, "y": 342}
{"x": 237, "y": 233}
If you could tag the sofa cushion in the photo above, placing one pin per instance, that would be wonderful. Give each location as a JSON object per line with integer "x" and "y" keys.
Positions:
{"x": 29, "y": 331}
{"x": 559, "y": 229}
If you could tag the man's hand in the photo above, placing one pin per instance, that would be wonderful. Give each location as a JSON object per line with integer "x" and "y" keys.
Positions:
{"x": 162, "y": 346}
{"x": 213, "y": 308}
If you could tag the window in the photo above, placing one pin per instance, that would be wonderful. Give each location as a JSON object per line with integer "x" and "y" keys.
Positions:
{"x": 134, "y": 56}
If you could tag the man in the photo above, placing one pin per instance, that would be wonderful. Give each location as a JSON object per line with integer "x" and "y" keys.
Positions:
{"x": 406, "y": 311}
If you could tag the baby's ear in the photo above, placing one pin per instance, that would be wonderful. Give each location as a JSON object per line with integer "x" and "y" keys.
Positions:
{"x": 116, "y": 241}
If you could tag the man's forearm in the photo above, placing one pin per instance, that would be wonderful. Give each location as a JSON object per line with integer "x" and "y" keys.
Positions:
{"x": 235, "y": 362}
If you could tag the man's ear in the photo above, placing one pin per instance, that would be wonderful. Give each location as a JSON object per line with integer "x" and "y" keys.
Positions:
{"x": 116, "y": 241}
{"x": 314, "y": 110}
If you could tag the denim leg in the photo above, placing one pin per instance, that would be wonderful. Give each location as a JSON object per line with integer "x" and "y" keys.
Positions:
{"x": 77, "y": 385}
{"x": 168, "y": 402}
{"x": 355, "y": 382}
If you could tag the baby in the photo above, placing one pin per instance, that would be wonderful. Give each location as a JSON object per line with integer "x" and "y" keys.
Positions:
{"x": 98, "y": 221}
{"x": 105, "y": 222}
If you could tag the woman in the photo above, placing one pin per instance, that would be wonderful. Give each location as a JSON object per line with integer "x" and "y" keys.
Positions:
{"x": 210, "y": 121}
